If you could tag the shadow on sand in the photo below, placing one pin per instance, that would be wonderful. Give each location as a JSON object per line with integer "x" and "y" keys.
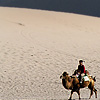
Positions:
{"x": 73, "y": 99}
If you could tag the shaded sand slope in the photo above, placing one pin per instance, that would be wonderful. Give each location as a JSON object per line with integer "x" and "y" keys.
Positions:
{"x": 85, "y": 7}
{"x": 37, "y": 46}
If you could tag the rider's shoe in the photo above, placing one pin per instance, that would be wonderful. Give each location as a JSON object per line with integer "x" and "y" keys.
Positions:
{"x": 80, "y": 82}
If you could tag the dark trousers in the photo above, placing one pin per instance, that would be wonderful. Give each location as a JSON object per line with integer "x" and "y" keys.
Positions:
{"x": 80, "y": 78}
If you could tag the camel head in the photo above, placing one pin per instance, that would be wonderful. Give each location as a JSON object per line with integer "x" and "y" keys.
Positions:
{"x": 64, "y": 75}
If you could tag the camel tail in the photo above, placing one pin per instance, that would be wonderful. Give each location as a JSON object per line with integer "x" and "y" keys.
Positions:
{"x": 94, "y": 79}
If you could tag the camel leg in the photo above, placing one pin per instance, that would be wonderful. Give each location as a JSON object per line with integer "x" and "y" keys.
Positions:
{"x": 91, "y": 93}
{"x": 95, "y": 92}
{"x": 71, "y": 95}
{"x": 78, "y": 92}
{"x": 91, "y": 87}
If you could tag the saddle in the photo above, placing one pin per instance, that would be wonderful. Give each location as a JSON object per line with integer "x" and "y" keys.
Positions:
{"x": 85, "y": 78}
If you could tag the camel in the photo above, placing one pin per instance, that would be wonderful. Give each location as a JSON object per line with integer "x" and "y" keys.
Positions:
{"x": 72, "y": 83}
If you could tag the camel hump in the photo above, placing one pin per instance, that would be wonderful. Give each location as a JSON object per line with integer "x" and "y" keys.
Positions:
{"x": 94, "y": 79}
{"x": 73, "y": 76}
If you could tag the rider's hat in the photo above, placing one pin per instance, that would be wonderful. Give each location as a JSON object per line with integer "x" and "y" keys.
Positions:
{"x": 81, "y": 61}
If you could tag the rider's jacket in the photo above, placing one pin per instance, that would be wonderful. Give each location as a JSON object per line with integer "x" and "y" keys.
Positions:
{"x": 82, "y": 68}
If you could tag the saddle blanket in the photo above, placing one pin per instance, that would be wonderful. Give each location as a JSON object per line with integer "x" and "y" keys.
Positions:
{"x": 86, "y": 78}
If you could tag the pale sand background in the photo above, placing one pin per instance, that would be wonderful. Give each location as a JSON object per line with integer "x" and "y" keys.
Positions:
{"x": 37, "y": 46}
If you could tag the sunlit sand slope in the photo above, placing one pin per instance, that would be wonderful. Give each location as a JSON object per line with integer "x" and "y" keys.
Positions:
{"x": 37, "y": 46}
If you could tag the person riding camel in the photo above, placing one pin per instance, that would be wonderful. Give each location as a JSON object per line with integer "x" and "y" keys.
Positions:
{"x": 81, "y": 68}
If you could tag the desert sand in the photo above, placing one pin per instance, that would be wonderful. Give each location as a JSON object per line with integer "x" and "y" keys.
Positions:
{"x": 36, "y": 46}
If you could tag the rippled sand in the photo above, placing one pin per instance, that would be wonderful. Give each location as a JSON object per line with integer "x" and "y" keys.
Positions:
{"x": 37, "y": 46}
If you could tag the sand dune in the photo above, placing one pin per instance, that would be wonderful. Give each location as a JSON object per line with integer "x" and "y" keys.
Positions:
{"x": 37, "y": 46}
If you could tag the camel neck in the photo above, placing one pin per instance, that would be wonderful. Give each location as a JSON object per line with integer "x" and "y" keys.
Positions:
{"x": 67, "y": 83}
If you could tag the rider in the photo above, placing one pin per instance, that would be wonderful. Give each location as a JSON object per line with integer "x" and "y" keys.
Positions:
{"x": 81, "y": 67}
